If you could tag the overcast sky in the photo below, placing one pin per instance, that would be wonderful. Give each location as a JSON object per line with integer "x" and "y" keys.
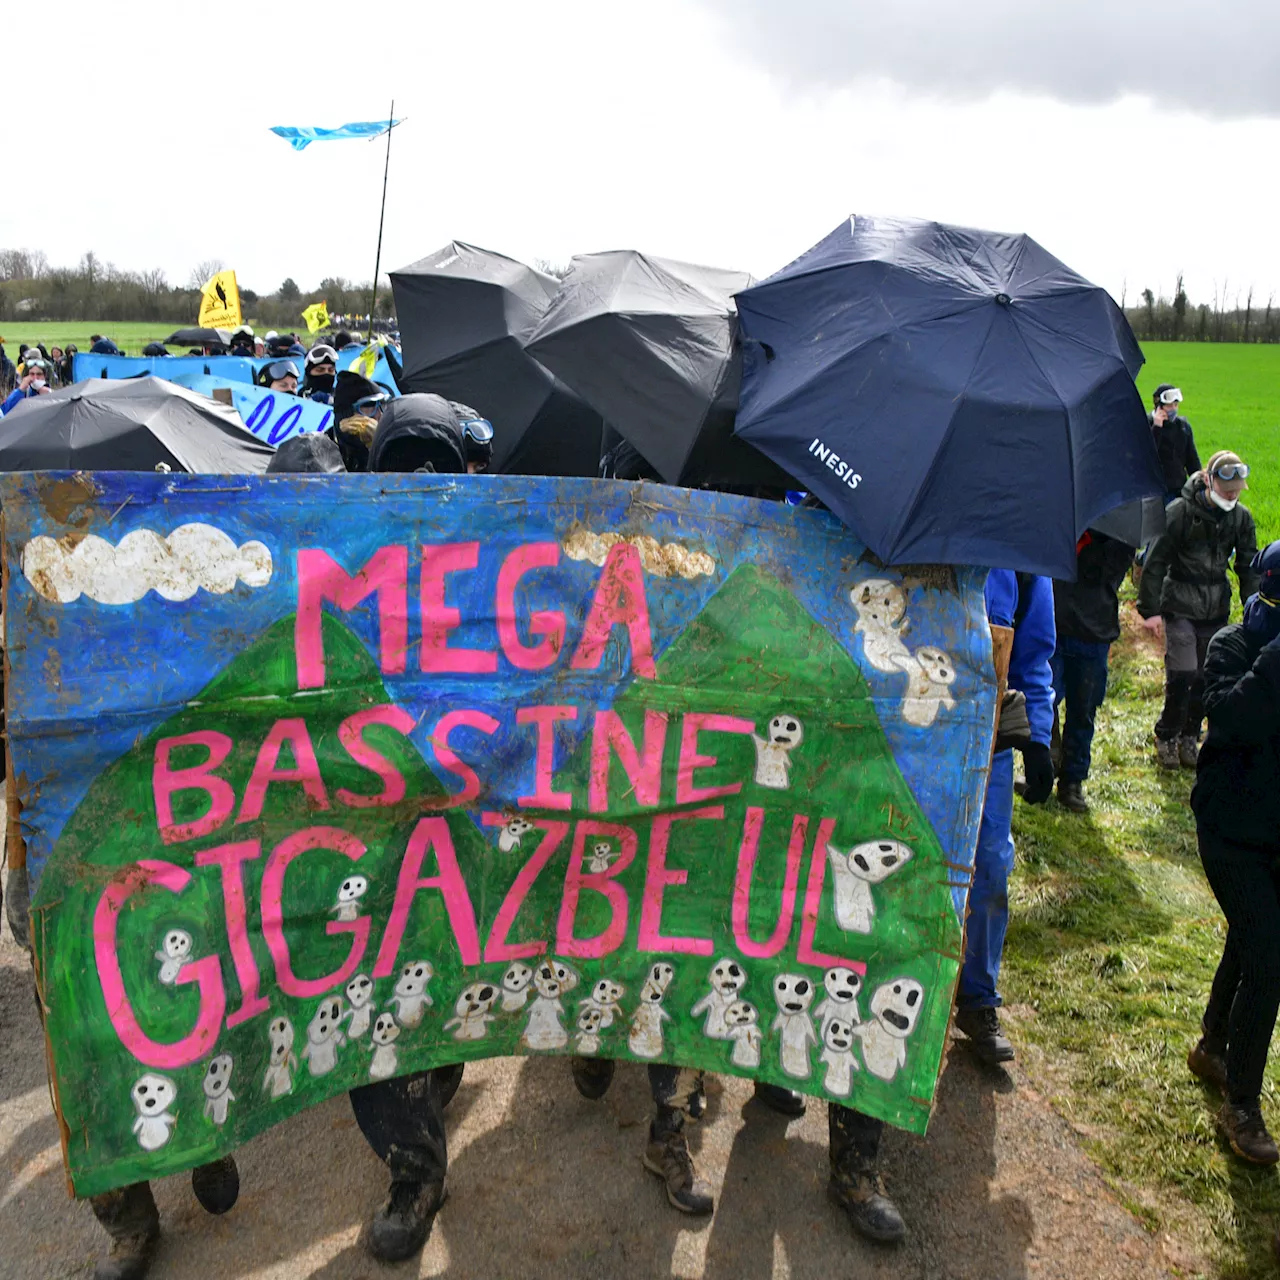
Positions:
{"x": 1132, "y": 138}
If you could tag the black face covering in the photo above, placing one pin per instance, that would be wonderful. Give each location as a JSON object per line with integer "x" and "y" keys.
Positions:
{"x": 321, "y": 381}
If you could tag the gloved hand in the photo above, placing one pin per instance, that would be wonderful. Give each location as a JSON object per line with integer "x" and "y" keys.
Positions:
{"x": 1013, "y": 729}
{"x": 1039, "y": 770}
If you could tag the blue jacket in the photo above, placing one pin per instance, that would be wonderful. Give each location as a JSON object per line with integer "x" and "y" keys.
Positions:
{"x": 1034, "y": 640}
{"x": 16, "y": 396}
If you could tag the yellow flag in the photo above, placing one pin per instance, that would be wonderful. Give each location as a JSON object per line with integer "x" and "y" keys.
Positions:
{"x": 220, "y": 302}
{"x": 367, "y": 361}
{"x": 316, "y": 316}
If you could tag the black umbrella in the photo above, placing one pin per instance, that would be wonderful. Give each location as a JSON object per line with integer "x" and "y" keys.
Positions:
{"x": 954, "y": 396}
{"x": 651, "y": 344}
{"x": 132, "y": 424}
{"x": 1135, "y": 523}
{"x": 465, "y": 314}
{"x": 197, "y": 336}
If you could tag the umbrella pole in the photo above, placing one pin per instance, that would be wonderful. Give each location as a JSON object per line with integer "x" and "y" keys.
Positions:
{"x": 377, "y": 262}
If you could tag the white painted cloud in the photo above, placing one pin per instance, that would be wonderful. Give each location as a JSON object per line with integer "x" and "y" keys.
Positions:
{"x": 191, "y": 557}
{"x": 661, "y": 559}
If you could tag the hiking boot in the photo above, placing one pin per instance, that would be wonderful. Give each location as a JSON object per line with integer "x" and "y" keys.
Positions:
{"x": 592, "y": 1076}
{"x": 1246, "y": 1131}
{"x": 982, "y": 1026}
{"x": 216, "y": 1185}
{"x": 871, "y": 1213}
{"x": 447, "y": 1081}
{"x": 783, "y": 1101}
{"x": 1188, "y": 751}
{"x": 401, "y": 1227}
{"x": 668, "y": 1156}
{"x": 130, "y": 1217}
{"x": 1167, "y": 753}
{"x": 1208, "y": 1065}
{"x": 1071, "y": 796}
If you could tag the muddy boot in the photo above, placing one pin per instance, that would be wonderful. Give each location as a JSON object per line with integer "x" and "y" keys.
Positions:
{"x": 776, "y": 1098}
{"x": 1207, "y": 1062}
{"x": 130, "y": 1218}
{"x": 667, "y": 1155}
{"x": 1167, "y": 753}
{"x": 216, "y": 1185}
{"x": 1246, "y": 1131}
{"x": 401, "y": 1227}
{"x": 1071, "y": 796}
{"x": 855, "y": 1185}
{"x": 447, "y": 1081}
{"x": 592, "y": 1076}
{"x": 982, "y": 1026}
{"x": 1188, "y": 751}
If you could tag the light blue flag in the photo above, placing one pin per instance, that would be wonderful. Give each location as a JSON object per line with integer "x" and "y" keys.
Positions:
{"x": 298, "y": 138}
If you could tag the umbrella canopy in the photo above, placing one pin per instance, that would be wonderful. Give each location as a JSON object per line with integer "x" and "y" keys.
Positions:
{"x": 955, "y": 396}
{"x": 651, "y": 344}
{"x": 198, "y": 336}
{"x": 131, "y": 424}
{"x": 465, "y": 314}
{"x": 1135, "y": 523}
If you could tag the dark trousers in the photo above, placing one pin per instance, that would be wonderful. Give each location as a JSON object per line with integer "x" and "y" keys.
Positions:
{"x": 853, "y": 1141}
{"x": 1185, "y": 644}
{"x": 127, "y": 1212}
{"x": 403, "y": 1122}
{"x": 671, "y": 1089}
{"x": 1246, "y": 990}
{"x": 1079, "y": 680}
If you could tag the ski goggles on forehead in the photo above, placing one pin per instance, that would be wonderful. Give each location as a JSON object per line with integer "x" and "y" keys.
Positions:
{"x": 1232, "y": 471}
{"x": 1172, "y": 396}
{"x": 281, "y": 369}
{"x": 477, "y": 430}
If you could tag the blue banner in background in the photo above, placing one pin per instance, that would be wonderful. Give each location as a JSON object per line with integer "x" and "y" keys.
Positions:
{"x": 381, "y": 372}
{"x": 173, "y": 368}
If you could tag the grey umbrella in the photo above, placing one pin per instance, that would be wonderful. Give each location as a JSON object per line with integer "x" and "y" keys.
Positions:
{"x": 131, "y": 424}
{"x": 651, "y": 345}
{"x": 1133, "y": 523}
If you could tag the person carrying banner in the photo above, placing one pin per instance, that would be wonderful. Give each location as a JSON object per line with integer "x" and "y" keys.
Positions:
{"x": 279, "y": 375}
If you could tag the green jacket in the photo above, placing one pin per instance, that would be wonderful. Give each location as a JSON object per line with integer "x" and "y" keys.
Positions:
{"x": 1185, "y": 574}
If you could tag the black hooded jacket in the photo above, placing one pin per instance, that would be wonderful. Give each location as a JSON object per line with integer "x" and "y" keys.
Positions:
{"x": 1176, "y": 449}
{"x": 308, "y": 454}
{"x": 418, "y": 432}
{"x": 1237, "y": 791}
{"x": 1089, "y": 608}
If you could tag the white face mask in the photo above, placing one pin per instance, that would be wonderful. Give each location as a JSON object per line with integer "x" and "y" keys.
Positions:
{"x": 37, "y": 383}
{"x": 1227, "y": 504}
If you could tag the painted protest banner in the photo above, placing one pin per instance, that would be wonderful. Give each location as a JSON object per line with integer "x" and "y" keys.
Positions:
{"x": 173, "y": 368}
{"x": 273, "y": 416}
{"x": 322, "y": 780}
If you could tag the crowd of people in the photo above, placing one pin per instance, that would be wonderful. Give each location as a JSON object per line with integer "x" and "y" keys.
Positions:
{"x": 1060, "y": 635}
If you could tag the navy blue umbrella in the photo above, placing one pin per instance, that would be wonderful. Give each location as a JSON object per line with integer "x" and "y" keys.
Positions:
{"x": 954, "y": 396}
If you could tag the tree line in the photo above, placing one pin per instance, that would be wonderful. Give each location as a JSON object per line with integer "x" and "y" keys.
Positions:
{"x": 32, "y": 289}
{"x": 1228, "y": 318}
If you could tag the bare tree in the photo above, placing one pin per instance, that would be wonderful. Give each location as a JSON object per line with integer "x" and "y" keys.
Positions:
{"x": 204, "y": 271}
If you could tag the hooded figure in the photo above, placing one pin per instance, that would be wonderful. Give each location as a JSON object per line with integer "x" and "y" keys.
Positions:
{"x": 419, "y": 433}
{"x": 321, "y": 373}
{"x": 308, "y": 454}
{"x": 477, "y": 436}
{"x": 155, "y": 349}
{"x": 357, "y": 406}
{"x": 104, "y": 347}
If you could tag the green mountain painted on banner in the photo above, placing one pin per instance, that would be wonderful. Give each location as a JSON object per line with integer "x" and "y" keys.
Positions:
{"x": 753, "y": 653}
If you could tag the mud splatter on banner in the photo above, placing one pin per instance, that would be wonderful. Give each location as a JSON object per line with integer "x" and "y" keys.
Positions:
{"x": 327, "y": 779}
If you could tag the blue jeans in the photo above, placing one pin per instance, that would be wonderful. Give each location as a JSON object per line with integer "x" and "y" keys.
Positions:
{"x": 1079, "y": 679}
{"x": 989, "y": 894}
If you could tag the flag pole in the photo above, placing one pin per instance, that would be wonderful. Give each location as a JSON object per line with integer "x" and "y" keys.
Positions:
{"x": 377, "y": 262}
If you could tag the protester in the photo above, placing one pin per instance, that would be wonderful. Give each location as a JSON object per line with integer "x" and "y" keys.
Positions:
{"x": 309, "y": 453}
{"x": 278, "y": 344}
{"x": 477, "y": 432}
{"x": 241, "y": 341}
{"x": 1087, "y": 620}
{"x": 68, "y": 364}
{"x": 357, "y": 406}
{"x": 103, "y": 347}
{"x": 34, "y": 382}
{"x": 1185, "y": 596}
{"x": 1236, "y": 801}
{"x": 259, "y": 348}
{"x": 55, "y": 362}
{"x": 1175, "y": 444}
{"x": 1023, "y": 602}
{"x": 279, "y": 375}
{"x": 321, "y": 365}
{"x": 154, "y": 349}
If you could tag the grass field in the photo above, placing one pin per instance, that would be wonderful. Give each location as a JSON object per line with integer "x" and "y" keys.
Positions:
{"x": 130, "y": 337}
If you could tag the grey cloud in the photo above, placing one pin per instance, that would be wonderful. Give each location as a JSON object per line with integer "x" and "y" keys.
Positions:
{"x": 1218, "y": 59}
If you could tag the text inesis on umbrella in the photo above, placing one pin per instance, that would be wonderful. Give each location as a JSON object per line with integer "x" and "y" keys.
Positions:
{"x": 842, "y": 469}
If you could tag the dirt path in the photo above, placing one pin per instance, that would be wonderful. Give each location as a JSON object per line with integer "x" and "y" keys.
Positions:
{"x": 543, "y": 1183}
